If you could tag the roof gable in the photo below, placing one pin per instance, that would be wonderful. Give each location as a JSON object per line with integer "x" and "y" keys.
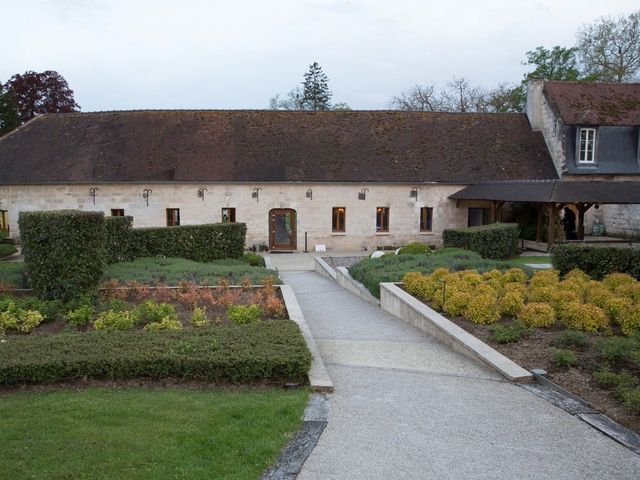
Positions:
{"x": 274, "y": 146}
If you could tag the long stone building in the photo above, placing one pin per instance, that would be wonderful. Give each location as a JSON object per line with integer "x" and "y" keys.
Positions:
{"x": 345, "y": 180}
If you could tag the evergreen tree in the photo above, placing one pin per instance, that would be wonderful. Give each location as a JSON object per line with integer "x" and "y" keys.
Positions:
{"x": 9, "y": 118}
{"x": 315, "y": 89}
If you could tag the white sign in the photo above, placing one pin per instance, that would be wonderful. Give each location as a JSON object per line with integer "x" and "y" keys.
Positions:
{"x": 321, "y": 248}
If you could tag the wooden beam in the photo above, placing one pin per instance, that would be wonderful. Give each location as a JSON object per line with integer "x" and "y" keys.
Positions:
{"x": 582, "y": 208}
{"x": 539, "y": 222}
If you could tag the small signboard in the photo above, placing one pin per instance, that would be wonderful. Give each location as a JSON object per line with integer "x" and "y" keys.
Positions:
{"x": 320, "y": 247}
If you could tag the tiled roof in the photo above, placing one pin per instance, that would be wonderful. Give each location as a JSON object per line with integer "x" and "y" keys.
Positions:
{"x": 596, "y": 103}
{"x": 274, "y": 146}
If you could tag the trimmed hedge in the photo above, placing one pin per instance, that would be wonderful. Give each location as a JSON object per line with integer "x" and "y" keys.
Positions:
{"x": 272, "y": 351}
{"x": 63, "y": 252}
{"x": 597, "y": 262}
{"x": 119, "y": 243}
{"x": 496, "y": 241}
{"x": 202, "y": 243}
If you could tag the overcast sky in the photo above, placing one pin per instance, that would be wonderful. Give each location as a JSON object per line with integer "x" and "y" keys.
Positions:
{"x": 238, "y": 54}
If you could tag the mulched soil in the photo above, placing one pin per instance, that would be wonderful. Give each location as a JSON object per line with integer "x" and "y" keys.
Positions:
{"x": 536, "y": 351}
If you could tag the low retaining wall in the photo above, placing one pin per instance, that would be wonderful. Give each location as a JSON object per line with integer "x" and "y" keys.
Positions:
{"x": 318, "y": 376}
{"x": 347, "y": 281}
{"x": 399, "y": 303}
{"x": 324, "y": 269}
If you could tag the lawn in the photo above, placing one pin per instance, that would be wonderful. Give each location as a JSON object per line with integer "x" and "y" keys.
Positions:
{"x": 145, "y": 434}
{"x": 6, "y": 250}
{"x": 162, "y": 270}
{"x": 537, "y": 259}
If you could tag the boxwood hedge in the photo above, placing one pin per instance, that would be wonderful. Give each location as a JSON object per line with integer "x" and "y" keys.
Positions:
{"x": 597, "y": 262}
{"x": 263, "y": 351}
{"x": 119, "y": 246}
{"x": 63, "y": 252}
{"x": 497, "y": 241}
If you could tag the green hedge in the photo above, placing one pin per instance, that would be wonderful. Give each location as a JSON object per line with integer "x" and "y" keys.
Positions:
{"x": 497, "y": 241}
{"x": 63, "y": 252}
{"x": 596, "y": 262}
{"x": 202, "y": 243}
{"x": 119, "y": 244}
{"x": 264, "y": 351}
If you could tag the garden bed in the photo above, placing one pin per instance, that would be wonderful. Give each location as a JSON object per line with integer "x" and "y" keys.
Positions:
{"x": 536, "y": 350}
{"x": 585, "y": 333}
{"x": 220, "y": 334}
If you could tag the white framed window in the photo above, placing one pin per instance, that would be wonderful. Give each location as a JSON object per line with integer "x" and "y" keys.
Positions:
{"x": 587, "y": 145}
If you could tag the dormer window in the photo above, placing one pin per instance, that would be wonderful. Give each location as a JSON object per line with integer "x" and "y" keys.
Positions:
{"x": 587, "y": 146}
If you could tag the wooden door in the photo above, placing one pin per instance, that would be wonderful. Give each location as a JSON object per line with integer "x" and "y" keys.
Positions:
{"x": 282, "y": 229}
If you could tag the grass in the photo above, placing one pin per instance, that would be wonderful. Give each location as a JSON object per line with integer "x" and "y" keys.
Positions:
{"x": 537, "y": 259}
{"x": 141, "y": 434}
{"x": 161, "y": 270}
{"x": 6, "y": 250}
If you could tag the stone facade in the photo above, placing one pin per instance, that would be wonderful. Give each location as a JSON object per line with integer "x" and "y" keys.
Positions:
{"x": 618, "y": 219}
{"x": 314, "y": 215}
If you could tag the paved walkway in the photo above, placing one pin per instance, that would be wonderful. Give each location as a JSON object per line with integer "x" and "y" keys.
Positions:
{"x": 407, "y": 407}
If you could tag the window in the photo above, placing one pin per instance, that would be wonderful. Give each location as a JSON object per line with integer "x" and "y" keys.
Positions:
{"x": 586, "y": 146}
{"x": 338, "y": 219}
{"x": 173, "y": 217}
{"x": 426, "y": 219}
{"x": 117, "y": 212}
{"x": 228, "y": 215}
{"x": 382, "y": 219}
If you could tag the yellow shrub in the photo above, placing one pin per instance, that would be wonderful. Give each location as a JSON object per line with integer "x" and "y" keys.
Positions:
{"x": 616, "y": 306}
{"x": 511, "y": 303}
{"x": 577, "y": 275}
{"x": 541, "y": 293}
{"x": 562, "y": 298}
{"x": 537, "y": 315}
{"x": 573, "y": 285}
{"x": 630, "y": 291}
{"x": 411, "y": 280}
{"x": 471, "y": 277}
{"x": 167, "y": 323}
{"x": 482, "y": 308}
{"x": 597, "y": 293}
{"x": 439, "y": 273}
{"x": 516, "y": 287}
{"x": 23, "y": 321}
{"x": 199, "y": 317}
{"x": 545, "y": 278}
{"x": 615, "y": 280}
{"x": 585, "y": 316}
{"x": 515, "y": 275}
{"x": 456, "y": 303}
{"x": 630, "y": 320}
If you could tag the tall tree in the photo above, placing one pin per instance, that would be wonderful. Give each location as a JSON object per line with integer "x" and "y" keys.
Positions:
{"x": 45, "y": 92}
{"x": 315, "y": 89}
{"x": 9, "y": 118}
{"x": 291, "y": 101}
{"x": 461, "y": 96}
{"x": 506, "y": 98}
{"x": 610, "y": 48}
{"x": 559, "y": 63}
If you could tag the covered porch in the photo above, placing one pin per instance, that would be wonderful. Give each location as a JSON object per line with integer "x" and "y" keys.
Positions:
{"x": 550, "y": 197}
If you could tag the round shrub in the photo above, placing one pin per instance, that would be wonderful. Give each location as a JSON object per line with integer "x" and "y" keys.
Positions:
{"x": 574, "y": 286}
{"x": 199, "y": 317}
{"x": 421, "y": 286}
{"x": 630, "y": 291}
{"x": 615, "y": 307}
{"x": 598, "y": 293}
{"x": 22, "y": 321}
{"x": 561, "y": 298}
{"x": 64, "y": 252}
{"x": 439, "y": 273}
{"x": 456, "y": 303}
{"x": 541, "y": 294}
{"x": 515, "y": 275}
{"x": 166, "y": 323}
{"x": 471, "y": 277}
{"x": 414, "y": 248}
{"x": 482, "y": 309}
{"x": 545, "y": 278}
{"x": 253, "y": 259}
{"x": 511, "y": 303}
{"x": 578, "y": 276}
{"x": 615, "y": 280}
{"x": 111, "y": 321}
{"x": 584, "y": 316}
{"x": 629, "y": 320}
{"x": 565, "y": 358}
{"x": 516, "y": 287}
{"x": 537, "y": 315}
{"x": 241, "y": 314}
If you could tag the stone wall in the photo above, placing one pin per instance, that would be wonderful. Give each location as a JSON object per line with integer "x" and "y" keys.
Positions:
{"x": 618, "y": 219}
{"x": 313, "y": 215}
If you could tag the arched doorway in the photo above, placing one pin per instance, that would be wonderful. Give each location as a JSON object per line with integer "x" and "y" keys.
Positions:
{"x": 282, "y": 229}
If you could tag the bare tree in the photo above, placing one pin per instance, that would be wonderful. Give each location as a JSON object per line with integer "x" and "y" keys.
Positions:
{"x": 461, "y": 96}
{"x": 294, "y": 100}
{"x": 610, "y": 48}
{"x": 422, "y": 98}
